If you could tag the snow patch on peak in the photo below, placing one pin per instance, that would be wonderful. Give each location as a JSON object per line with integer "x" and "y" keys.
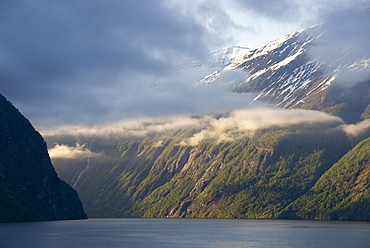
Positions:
{"x": 287, "y": 60}
{"x": 275, "y": 44}
{"x": 224, "y": 60}
{"x": 227, "y": 56}
{"x": 210, "y": 77}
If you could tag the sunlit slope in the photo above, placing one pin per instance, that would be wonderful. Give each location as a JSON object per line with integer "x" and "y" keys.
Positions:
{"x": 342, "y": 193}
{"x": 255, "y": 176}
{"x": 245, "y": 163}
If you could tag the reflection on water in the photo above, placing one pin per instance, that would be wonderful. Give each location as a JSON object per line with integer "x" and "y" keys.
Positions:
{"x": 163, "y": 233}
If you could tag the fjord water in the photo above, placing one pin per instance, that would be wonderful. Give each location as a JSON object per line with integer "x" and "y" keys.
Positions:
{"x": 155, "y": 233}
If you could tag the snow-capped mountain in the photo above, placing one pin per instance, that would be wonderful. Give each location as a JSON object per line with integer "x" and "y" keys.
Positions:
{"x": 228, "y": 56}
{"x": 212, "y": 65}
{"x": 299, "y": 70}
{"x": 224, "y": 61}
{"x": 283, "y": 71}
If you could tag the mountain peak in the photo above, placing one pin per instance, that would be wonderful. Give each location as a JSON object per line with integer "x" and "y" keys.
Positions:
{"x": 297, "y": 70}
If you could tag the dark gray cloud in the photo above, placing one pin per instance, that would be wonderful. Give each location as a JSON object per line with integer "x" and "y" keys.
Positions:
{"x": 88, "y": 62}
{"x": 282, "y": 10}
{"x": 62, "y": 56}
{"x": 308, "y": 11}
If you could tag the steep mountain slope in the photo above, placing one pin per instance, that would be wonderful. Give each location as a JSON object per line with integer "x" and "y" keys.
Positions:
{"x": 301, "y": 70}
{"x": 29, "y": 186}
{"x": 257, "y": 175}
{"x": 342, "y": 193}
{"x": 253, "y": 166}
{"x": 249, "y": 178}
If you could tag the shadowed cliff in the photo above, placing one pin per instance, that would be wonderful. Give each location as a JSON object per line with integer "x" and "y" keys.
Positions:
{"x": 29, "y": 186}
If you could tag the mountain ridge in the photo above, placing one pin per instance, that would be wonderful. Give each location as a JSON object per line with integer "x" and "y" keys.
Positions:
{"x": 287, "y": 73}
{"x": 255, "y": 176}
{"x": 29, "y": 186}
{"x": 254, "y": 163}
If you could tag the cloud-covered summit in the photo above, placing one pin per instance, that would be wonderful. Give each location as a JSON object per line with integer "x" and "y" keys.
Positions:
{"x": 89, "y": 62}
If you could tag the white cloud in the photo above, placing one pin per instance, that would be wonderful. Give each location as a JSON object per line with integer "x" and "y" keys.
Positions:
{"x": 240, "y": 122}
{"x": 135, "y": 127}
{"x": 244, "y": 23}
{"x": 344, "y": 44}
{"x": 356, "y": 129}
{"x": 64, "y": 151}
{"x": 222, "y": 129}
{"x": 159, "y": 143}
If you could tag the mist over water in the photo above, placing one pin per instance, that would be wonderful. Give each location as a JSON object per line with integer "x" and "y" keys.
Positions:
{"x": 162, "y": 233}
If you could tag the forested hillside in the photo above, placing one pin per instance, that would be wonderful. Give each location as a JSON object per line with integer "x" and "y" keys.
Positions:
{"x": 342, "y": 193}
{"x": 267, "y": 173}
{"x": 299, "y": 157}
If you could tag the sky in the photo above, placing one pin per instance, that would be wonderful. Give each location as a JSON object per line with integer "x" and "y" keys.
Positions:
{"x": 94, "y": 62}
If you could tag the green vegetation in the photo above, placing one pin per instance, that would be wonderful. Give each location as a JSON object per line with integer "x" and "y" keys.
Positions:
{"x": 366, "y": 114}
{"x": 270, "y": 173}
{"x": 342, "y": 193}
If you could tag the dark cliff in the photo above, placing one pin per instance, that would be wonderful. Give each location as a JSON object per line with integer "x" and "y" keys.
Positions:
{"x": 29, "y": 186}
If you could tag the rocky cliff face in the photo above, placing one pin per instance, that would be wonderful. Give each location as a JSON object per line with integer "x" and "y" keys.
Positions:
{"x": 29, "y": 186}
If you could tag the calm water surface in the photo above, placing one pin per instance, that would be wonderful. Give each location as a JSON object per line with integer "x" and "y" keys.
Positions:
{"x": 162, "y": 233}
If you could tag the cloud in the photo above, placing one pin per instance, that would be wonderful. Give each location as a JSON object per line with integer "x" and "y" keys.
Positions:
{"x": 72, "y": 56}
{"x": 78, "y": 62}
{"x": 282, "y": 10}
{"x": 160, "y": 143}
{"x": 140, "y": 127}
{"x": 344, "y": 44}
{"x": 356, "y": 129}
{"x": 222, "y": 129}
{"x": 239, "y": 22}
{"x": 239, "y": 122}
{"x": 64, "y": 151}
